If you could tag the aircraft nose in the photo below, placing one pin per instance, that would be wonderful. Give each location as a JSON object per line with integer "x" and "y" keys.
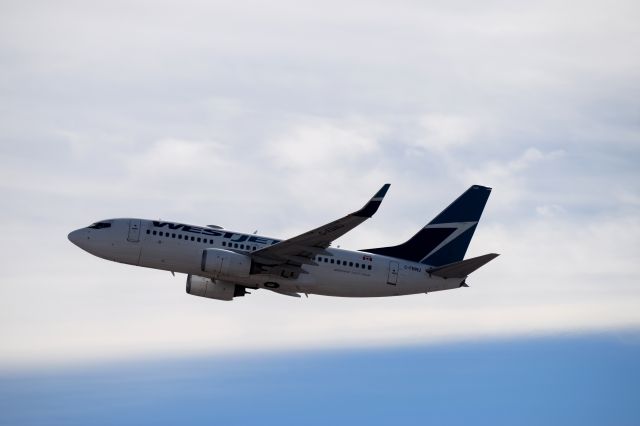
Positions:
{"x": 75, "y": 236}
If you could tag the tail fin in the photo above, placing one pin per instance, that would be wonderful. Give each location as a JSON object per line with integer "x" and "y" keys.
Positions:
{"x": 445, "y": 239}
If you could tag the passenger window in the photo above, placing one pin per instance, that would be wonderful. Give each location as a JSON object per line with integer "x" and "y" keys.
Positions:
{"x": 357, "y": 265}
{"x": 199, "y": 239}
{"x": 224, "y": 244}
{"x": 254, "y": 248}
{"x": 242, "y": 246}
{"x": 173, "y": 235}
{"x": 193, "y": 238}
{"x": 331, "y": 260}
{"x": 369, "y": 267}
{"x": 148, "y": 232}
{"x": 326, "y": 260}
{"x": 179, "y": 236}
{"x": 154, "y": 232}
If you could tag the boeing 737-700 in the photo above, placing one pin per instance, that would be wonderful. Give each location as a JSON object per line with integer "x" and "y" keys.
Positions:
{"x": 222, "y": 264}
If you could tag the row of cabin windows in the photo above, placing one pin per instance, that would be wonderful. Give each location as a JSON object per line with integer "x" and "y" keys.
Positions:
{"x": 200, "y": 240}
{"x": 248, "y": 247}
{"x": 343, "y": 263}
{"x": 236, "y": 245}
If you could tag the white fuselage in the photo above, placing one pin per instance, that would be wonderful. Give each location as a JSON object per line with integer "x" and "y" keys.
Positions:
{"x": 177, "y": 247}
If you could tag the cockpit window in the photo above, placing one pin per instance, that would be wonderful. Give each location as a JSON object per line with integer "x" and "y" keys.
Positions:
{"x": 100, "y": 225}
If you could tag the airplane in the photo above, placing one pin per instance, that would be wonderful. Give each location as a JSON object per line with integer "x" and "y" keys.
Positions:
{"x": 223, "y": 264}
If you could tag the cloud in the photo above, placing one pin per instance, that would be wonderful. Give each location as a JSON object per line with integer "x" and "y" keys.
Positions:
{"x": 323, "y": 144}
{"x": 550, "y": 210}
{"x": 443, "y": 131}
{"x": 285, "y": 117}
{"x": 496, "y": 171}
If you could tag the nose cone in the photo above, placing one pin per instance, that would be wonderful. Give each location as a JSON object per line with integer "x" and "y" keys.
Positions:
{"x": 76, "y": 236}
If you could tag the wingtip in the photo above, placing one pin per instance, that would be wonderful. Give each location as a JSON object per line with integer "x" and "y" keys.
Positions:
{"x": 383, "y": 191}
{"x": 372, "y": 206}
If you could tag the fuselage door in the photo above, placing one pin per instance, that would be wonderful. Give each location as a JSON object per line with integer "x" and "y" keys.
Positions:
{"x": 393, "y": 273}
{"x": 134, "y": 231}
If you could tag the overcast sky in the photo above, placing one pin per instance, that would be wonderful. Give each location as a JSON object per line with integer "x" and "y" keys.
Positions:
{"x": 282, "y": 116}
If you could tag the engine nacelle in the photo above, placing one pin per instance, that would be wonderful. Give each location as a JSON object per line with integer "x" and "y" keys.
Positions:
{"x": 205, "y": 287}
{"x": 225, "y": 263}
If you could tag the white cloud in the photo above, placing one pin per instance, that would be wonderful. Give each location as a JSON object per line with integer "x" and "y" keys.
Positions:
{"x": 445, "y": 131}
{"x": 285, "y": 116}
{"x": 510, "y": 178}
{"x": 171, "y": 159}
{"x": 550, "y": 210}
{"x": 495, "y": 171}
{"x": 324, "y": 145}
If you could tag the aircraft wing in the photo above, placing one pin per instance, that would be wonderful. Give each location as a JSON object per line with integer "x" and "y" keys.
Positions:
{"x": 287, "y": 257}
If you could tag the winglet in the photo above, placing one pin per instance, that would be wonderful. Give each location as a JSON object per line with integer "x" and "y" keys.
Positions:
{"x": 372, "y": 206}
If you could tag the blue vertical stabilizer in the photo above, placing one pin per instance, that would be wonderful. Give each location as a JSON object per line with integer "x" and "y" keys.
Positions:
{"x": 445, "y": 239}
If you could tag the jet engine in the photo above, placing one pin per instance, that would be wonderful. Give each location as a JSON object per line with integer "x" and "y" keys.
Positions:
{"x": 206, "y": 287}
{"x": 225, "y": 263}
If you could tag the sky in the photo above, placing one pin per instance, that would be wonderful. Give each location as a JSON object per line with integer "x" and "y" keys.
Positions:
{"x": 282, "y": 116}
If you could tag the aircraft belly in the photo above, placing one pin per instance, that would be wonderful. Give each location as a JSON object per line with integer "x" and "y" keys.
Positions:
{"x": 347, "y": 283}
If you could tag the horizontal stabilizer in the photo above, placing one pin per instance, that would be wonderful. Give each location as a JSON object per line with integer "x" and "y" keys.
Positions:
{"x": 463, "y": 268}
